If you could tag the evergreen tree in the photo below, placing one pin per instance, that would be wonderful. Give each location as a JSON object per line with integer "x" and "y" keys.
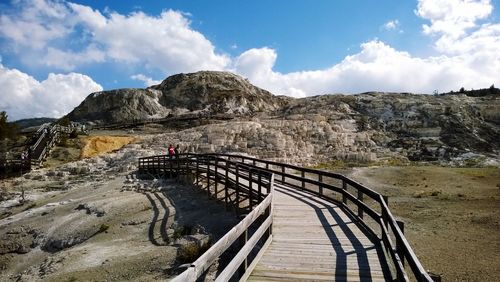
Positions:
{"x": 7, "y": 129}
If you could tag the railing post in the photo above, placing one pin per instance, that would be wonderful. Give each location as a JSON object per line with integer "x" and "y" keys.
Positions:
{"x": 360, "y": 210}
{"x": 226, "y": 185}
{"x": 250, "y": 183}
{"x": 216, "y": 177}
{"x": 177, "y": 159}
{"x": 197, "y": 170}
{"x": 303, "y": 174}
{"x": 320, "y": 180}
{"x": 208, "y": 177}
{"x": 259, "y": 187}
{"x": 237, "y": 181}
{"x": 344, "y": 197}
{"x": 399, "y": 242}
{"x": 244, "y": 265}
{"x": 283, "y": 174}
{"x": 384, "y": 214}
{"x": 171, "y": 167}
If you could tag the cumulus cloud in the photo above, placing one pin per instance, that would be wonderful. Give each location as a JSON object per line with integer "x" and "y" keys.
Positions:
{"x": 468, "y": 56}
{"x": 36, "y": 24}
{"x": 148, "y": 81}
{"x": 377, "y": 67}
{"x": 24, "y": 97}
{"x": 69, "y": 60}
{"x": 452, "y": 17}
{"x": 164, "y": 43}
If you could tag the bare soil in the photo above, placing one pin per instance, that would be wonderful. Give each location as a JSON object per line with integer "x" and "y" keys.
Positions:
{"x": 451, "y": 215}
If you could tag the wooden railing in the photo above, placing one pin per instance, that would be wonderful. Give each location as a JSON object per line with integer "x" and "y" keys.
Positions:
{"x": 351, "y": 195}
{"x": 47, "y": 138}
{"x": 10, "y": 167}
{"x": 164, "y": 120}
{"x": 241, "y": 183}
{"x": 346, "y": 192}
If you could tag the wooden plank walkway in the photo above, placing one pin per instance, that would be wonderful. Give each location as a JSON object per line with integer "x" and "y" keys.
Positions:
{"x": 315, "y": 240}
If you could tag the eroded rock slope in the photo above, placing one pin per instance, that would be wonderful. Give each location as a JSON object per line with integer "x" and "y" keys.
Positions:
{"x": 363, "y": 127}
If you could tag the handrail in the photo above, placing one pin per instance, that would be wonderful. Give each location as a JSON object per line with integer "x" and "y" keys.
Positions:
{"x": 256, "y": 178}
{"x": 401, "y": 251}
{"x": 398, "y": 251}
{"x": 49, "y": 134}
{"x": 198, "y": 267}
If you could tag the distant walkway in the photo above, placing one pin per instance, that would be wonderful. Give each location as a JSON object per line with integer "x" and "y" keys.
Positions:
{"x": 314, "y": 239}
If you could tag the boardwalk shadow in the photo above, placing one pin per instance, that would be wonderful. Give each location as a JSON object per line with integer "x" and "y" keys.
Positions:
{"x": 154, "y": 221}
{"x": 359, "y": 250}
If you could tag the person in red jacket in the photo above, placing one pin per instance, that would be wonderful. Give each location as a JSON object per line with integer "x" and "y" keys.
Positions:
{"x": 171, "y": 150}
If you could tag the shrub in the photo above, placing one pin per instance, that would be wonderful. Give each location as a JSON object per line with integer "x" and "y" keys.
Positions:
{"x": 64, "y": 121}
{"x": 73, "y": 134}
{"x": 191, "y": 252}
{"x": 103, "y": 228}
{"x": 181, "y": 231}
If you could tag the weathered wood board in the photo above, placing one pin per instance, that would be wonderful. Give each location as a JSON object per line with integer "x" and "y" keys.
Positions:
{"x": 315, "y": 240}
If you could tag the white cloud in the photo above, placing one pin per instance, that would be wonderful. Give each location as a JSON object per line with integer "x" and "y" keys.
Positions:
{"x": 24, "y": 97}
{"x": 164, "y": 43}
{"x": 148, "y": 81}
{"x": 377, "y": 67}
{"x": 37, "y": 24}
{"x": 452, "y": 17}
{"x": 69, "y": 60}
{"x": 391, "y": 25}
{"x": 468, "y": 57}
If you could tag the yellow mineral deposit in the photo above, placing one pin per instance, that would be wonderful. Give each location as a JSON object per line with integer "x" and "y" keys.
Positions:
{"x": 98, "y": 145}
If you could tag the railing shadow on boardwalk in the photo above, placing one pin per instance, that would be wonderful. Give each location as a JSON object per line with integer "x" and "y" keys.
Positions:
{"x": 359, "y": 249}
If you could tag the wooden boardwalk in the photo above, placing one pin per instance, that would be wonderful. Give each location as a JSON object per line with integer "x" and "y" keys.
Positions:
{"x": 315, "y": 240}
{"x": 293, "y": 229}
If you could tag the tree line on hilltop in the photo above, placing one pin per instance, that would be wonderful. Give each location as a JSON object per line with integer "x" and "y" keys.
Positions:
{"x": 492, "y": 90}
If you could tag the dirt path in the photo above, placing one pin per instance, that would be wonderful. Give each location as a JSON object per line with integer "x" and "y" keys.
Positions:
{"x": 452, "y": 216}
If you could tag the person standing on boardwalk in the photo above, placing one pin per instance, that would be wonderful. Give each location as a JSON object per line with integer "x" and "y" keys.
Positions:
{"x": 177, "y": 151}
{"x": 171, "y": 150}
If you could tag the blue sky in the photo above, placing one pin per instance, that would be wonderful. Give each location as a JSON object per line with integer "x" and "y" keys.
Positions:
{"x": 54, "y": 53}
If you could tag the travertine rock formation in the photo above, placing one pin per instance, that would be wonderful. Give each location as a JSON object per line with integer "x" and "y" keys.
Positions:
{"x": 363, "y": 127}
{"x": 202, "y": 92}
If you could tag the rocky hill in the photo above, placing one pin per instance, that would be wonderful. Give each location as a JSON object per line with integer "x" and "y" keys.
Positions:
{"x": 202, "y": 92}
{"x": 364, "y": 127}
